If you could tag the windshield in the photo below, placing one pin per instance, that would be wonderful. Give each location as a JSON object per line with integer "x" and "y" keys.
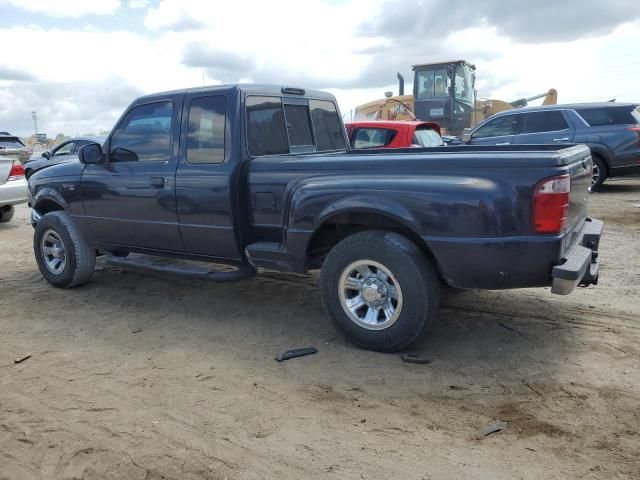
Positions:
{"x": 433, "y": 83}
{"x": 464, "y": 84}
{"x": 10, "y": 143}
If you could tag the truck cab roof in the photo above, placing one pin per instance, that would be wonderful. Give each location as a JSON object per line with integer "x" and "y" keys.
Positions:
{"x": 246, "y": 88}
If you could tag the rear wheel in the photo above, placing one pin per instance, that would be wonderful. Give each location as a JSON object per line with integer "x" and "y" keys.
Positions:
{"x": 6, "y": 213}
{"x": 598, "y": 173}
{"x": 380, "y": 290}
{"x": 63, "y": 256}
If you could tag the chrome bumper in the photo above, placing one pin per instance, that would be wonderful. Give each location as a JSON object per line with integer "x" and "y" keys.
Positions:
{"x": 580, "y": 265}
{"x": 14, "y": 192}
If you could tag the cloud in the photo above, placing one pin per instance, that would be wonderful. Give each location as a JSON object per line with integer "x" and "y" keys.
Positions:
{"x": 344, "y": 46}
{"x": 71, "y": 107}
{"x": 7, "y": 73}
{"x": 527, "y": 21}
{"x": 66, "y": 8}
{"x": 139, "y": 3}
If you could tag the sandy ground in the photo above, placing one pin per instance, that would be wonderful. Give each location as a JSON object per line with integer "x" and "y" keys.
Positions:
{"x": 135, "y": 377}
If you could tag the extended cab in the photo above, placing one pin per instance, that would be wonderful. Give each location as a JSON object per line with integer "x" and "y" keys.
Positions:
{"x": 262, "y": 176}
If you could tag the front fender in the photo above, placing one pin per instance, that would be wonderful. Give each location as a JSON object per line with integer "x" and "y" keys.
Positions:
{"x": 48, "y": 194}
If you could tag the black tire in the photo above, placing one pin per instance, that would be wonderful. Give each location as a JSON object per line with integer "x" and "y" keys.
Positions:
{"x": 79, "y": 258}
{"x": 411, "y": 270}
{"x": 6, "y": 213}
{"x": 600, "y": 167}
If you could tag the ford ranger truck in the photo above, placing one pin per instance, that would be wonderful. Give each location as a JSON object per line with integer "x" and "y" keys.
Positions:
{"x": 259, "y": 176}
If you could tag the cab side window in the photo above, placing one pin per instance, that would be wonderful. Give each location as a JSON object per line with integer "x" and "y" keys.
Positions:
{"x": 144, "y": 134}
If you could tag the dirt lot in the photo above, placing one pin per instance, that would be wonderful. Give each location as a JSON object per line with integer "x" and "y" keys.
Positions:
{"x": 135, "y": 377}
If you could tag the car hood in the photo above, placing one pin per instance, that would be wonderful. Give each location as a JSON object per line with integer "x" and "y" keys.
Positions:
{"x": 67, "y": 168}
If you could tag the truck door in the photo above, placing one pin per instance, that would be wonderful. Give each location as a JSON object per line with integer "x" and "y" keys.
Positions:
{"x": 547, "y": 126}
{"x": 498, "y": 131}
{"x": 204, "y": 180}
{"x": 130, "y": 198}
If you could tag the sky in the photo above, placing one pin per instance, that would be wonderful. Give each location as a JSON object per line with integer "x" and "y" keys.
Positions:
{"x": 79, "y": 63}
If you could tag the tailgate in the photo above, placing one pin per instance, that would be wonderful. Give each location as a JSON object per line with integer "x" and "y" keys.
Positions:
{"x": 580, "y": 172}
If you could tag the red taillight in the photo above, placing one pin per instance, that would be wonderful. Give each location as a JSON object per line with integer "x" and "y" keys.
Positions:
{"x": 17, "y": 171}
{"x": 551, "y": 204}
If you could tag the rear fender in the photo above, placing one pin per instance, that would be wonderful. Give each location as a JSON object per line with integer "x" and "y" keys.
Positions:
{"x": 311, "y": 210}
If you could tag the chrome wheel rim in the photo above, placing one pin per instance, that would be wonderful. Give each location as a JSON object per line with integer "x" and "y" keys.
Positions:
{"x": 595, "y": 174}
{"x": 370, "y": 295}
{"x": 53, "y": 252}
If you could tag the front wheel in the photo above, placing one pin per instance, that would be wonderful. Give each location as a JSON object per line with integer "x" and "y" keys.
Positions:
{"x": 63, "y": 256}
{"x": 380, "y": 290}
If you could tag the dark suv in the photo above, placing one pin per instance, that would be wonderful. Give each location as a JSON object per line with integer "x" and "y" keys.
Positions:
{"x": 611, "y": 130}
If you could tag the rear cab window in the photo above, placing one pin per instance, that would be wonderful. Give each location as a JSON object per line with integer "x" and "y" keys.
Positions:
{"x": 599, "y": 116}
{"x": 283, "y": 125}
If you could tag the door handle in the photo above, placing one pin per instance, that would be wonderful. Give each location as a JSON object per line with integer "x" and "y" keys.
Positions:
{"x": 564, "y": 139}
{"x": 503, "y": 143}
{"x": 157, "y": 182}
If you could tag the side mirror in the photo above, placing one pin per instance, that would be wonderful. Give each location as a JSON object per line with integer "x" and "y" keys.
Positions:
{"x": 466, "y": 136}
{"x": 46, "y": 154}
{"x": 91, "y": 153}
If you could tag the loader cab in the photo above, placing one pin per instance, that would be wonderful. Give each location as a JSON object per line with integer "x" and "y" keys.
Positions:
{"x": 445, "y": 93}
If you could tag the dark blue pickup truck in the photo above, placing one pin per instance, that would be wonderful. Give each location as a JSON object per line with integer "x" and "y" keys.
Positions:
{"x": 262, "y": 176}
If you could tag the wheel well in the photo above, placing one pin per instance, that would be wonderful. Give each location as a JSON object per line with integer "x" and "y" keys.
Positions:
{"x": 340, "y": 226}
{"x": 602, "y": 159}
{"x": 46, "y": 206}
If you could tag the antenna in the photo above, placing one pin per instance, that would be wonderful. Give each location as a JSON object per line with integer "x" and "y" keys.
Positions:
{"x": 34, "y": 115}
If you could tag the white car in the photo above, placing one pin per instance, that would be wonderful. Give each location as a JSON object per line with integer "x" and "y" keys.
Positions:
{"x": 13, "y": 185}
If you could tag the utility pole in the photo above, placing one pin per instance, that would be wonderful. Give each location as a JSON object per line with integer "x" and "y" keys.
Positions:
{"x": 34, "y": 115}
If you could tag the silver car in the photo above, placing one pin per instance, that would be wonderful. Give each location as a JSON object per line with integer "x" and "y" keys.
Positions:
{"x": 13, "y": 185}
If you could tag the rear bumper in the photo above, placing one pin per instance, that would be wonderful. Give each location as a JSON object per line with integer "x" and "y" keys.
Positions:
{"x": 13, "y": 192}
{"x": 580, "y": 265}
